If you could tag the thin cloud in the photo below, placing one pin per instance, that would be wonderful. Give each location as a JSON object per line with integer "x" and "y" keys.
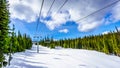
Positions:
{"x": 64, "y": 31}
{"x": 106, "y": 32}
{"x": 116, "y": 12}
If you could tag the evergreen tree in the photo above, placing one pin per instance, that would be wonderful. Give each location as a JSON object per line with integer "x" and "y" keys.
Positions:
{"x": 107, "y": 43}
{"x": 4, "y": 21}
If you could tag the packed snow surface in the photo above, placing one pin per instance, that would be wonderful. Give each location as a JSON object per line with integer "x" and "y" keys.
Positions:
{"x": 63, "y": 58}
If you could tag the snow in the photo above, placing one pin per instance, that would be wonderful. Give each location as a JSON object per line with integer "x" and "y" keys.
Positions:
{"x": 63, "y": 58}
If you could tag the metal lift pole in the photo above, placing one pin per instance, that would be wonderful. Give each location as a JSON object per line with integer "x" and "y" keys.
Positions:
{"x": 37, "y": 44}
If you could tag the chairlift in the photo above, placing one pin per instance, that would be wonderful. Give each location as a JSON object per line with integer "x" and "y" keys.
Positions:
{"x": 36, "y": 40}
{"x": 36, "y": 36}
{"x": 47, "y": 41}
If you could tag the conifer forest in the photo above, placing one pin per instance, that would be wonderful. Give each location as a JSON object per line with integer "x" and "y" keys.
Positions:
{"x": 13, "y": 42}
{"x": 9, "y": 41}
{"x": 107, "y": 43}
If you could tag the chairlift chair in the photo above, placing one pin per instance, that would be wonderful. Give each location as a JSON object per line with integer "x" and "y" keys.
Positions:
{"x": 47, "y": 41}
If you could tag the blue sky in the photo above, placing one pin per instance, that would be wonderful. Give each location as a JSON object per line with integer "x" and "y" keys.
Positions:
{"x": 64, "y": 24}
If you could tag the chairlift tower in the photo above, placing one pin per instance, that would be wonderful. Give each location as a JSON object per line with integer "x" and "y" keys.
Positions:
{"x": 11, "y": 34}
{"x": 36, "y": 39}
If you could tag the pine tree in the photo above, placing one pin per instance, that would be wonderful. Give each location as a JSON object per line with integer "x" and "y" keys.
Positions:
{"x": 4, "y": 21}
{"x": 107, "y": 43}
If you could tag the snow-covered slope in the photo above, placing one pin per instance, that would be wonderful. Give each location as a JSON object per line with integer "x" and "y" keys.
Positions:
{"x": 63, "y": 58}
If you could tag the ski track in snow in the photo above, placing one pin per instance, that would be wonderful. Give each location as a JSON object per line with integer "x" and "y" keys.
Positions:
{"x": 63, "y": 58}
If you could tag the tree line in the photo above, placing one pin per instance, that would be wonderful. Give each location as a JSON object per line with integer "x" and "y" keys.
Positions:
{"x": 9, "y": 41}
{"x": 107, "y": 43}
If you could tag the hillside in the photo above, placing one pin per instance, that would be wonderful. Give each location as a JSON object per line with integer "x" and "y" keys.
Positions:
{"x": 63, "y": 58}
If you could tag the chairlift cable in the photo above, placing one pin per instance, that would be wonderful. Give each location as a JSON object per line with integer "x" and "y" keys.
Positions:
{"x": 98, "y": 10}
